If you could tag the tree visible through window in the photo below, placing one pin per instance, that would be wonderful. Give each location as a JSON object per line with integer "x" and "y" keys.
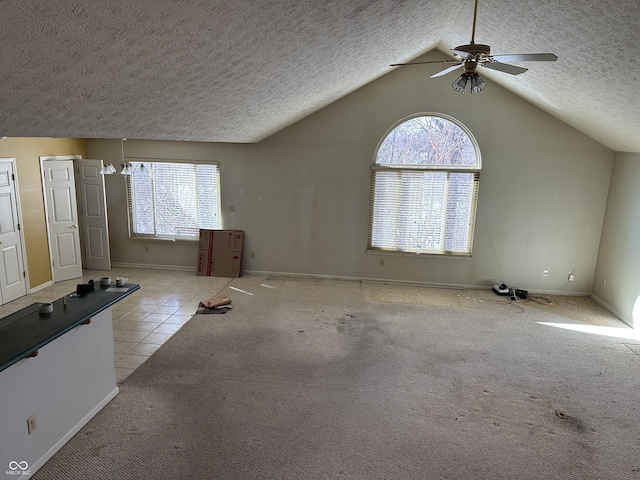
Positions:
{"x": 424, "y": 188}
{"x": 173, "y": 200}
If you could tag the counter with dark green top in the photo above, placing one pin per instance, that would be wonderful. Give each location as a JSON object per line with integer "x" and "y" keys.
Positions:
{"x": 70, "y": 378}
{"x": 24, "y": 332}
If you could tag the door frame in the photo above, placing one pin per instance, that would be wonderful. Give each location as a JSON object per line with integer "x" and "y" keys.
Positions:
{"x": 23, "y": 246}
{"x": 43, "y": 159}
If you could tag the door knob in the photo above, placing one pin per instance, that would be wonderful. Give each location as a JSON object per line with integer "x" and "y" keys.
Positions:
{"x": 74, "y": 226}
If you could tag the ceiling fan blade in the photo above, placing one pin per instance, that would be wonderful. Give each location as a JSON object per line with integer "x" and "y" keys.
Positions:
{"x": 526, "y": 57}
{"x": 505, "y": 67}
{"x": 421, "y": 63}
{"x": 462, "y": 53}
{"x": 446, "y": 70}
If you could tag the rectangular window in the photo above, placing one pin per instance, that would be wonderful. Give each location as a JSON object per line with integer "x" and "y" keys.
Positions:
{"x": 173, "y": 201}
{"x": 421, "y": 211}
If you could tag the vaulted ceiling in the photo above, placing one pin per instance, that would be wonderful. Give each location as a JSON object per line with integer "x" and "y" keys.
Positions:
{"x": 238, "y": 71}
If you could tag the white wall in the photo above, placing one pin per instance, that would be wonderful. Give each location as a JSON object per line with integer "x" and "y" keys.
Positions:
{"x": 619, "y": 255}
{"x": 302, "y": 195}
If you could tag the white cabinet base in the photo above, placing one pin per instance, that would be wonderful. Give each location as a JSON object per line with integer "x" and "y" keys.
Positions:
{"x": 64, "y": 386}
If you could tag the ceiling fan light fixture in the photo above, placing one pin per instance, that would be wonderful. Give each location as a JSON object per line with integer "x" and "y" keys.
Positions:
{"x": 477, "y": 83}
{"x": 460, "y": 84}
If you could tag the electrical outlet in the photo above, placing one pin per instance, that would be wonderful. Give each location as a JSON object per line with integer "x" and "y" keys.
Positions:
{"x": 252, "y": 254}
{"x": 571, "y": 276}
{"x": 381, "y": 262}
{"x": 604, "y": 282}
{"x": 545, "y": 272}
{"x": 32, "y": 425}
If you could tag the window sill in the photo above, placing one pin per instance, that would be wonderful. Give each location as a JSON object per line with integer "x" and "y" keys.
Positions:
{"x": 448, "y": 256}
{"x": 163, "y": 240}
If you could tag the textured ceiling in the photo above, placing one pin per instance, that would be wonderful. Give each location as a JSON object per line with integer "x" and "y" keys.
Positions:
{"x": 238, "y": 71}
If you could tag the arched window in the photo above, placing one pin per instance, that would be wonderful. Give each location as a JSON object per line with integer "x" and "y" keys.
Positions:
{"x": 424, "y": 187}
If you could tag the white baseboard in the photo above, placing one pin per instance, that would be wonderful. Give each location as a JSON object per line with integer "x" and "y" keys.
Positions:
{"x": 40, "y": 287}
{"x": 346, "y": 278}
{"x": 301, "y": 275}
{"x": 612, "y": 310}
{"x": 410, "y": 283}
{"x": 356, "y": 279}
{"x": 455, "y": 286}
{"x": 559, "y": 293}
{"x": 154, "y": 266}
{"x": 52, "y": 451}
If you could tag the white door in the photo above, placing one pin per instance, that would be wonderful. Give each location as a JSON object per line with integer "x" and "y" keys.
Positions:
{"x": 12, "y": 273}
{"x": 62, "y": 219}
{"x": 93, "y": 211}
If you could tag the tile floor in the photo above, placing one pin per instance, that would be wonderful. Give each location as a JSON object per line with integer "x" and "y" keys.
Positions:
{"x": 143, "y": 321}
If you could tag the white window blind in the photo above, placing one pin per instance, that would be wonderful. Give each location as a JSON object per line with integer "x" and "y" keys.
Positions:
{"x": 424, "y": 189}
{"x": 425, "y": 212}
{"x": 174, "y": 200}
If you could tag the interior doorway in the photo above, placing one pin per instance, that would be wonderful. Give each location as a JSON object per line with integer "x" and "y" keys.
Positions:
{"x": 61, "y": 210}
{"x": 76, "y": 211}
{"x": 13, "y": 282}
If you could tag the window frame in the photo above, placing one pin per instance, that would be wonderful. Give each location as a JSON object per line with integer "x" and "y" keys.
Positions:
{"x": 158, "y": 237}
{"x": 449, "y": 168}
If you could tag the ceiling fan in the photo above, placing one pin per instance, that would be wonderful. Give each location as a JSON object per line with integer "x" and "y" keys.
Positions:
{"x": 474, "y": 55}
